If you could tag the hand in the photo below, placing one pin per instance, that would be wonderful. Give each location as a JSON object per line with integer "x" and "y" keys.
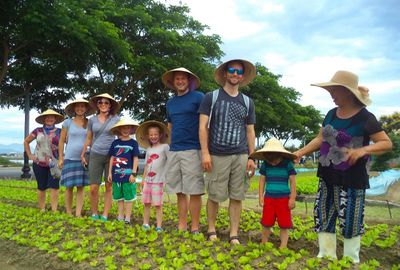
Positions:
{"x": 261, "y": 201}
{"x": 132, "y": 179}
{"x": 33, "y": 157}
{"x": 109, "y": 178}
{"x": 292, "y": 204}
{"x": 250, "y": 168}
{"x": 206, "y": 162}
{"x": 60, "y": 163}
{"x": 299, "y": 155}
{"x": 83, "y": 160}
{"x": 355, "y": 154}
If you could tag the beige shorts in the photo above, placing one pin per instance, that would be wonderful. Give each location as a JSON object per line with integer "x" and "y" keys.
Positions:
{"x": 98, "y": 167}
{"x": 228, "y": 178}
{"x": 184, "y": 173}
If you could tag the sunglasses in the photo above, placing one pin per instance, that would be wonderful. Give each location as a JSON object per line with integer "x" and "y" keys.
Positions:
{"x": 238, "y": 71}
{"x": 100, "y": 102}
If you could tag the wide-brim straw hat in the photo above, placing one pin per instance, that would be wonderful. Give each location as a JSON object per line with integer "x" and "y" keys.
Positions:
{"x": 42, "y": 116}
{"x": 114, "y": 104}
{"x": 348, "y": 80}
{"x": 70, "y": 108}
{"x": 168, "y": 78}
{"x": 249, "y": 72}
{"x": 273, "y": 145}
{"x": 124, "y": 122}
{"x": 142, "y": 133}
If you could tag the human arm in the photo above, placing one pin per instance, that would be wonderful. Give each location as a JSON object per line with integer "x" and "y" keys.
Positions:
{"x": 251, "y": 138}
{"x": 203, "y": 137}
{"x": 30, "y": 138}
{"x": 292, "y": 197}
{"x": 132, "y": 178}
{"x": 61, "y": 142}
{"x": 109, "y": 178}
{"x": 88, "y": 141}
{"x": 261, "y": 190}
{"x": 382, "y": 144}
{"x": 312, "y": 146}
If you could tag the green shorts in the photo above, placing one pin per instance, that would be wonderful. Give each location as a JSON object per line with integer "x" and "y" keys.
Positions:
{"x": 124, "y": 191}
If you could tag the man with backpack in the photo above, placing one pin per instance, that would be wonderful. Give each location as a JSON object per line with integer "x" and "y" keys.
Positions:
{"x": 227, "y": 137}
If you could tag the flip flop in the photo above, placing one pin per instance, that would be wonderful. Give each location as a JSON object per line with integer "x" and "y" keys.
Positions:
{"x": 212, "y": 236}
{"x": 234, "y": 240}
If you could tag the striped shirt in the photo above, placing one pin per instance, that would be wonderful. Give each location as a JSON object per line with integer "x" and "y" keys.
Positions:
{"x": 277, "y": 178}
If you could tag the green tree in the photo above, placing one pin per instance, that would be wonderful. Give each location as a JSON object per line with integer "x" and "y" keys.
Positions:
{"x": 277, "y": 110}
{"x": 391, "y": 123}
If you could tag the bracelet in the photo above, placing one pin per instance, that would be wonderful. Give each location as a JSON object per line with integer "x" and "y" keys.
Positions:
{"x": 134, "y": 174}
{"x": 253, "y": 159}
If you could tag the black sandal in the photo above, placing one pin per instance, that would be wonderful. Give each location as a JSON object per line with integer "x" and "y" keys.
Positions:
{"x": 212, "y": 236}
{"x": 234, "y": 240}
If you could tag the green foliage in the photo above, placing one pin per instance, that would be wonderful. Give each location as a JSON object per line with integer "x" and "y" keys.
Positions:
{"x": 381, "y": 161}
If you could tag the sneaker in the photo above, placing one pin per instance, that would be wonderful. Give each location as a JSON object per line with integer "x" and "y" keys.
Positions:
{"x": 127, "y": 222}
{"x": 146, "y": 226}
{"x": 94, "y": 217}
{"x": 103, "y": 218}
{"x": 159, "y": 229}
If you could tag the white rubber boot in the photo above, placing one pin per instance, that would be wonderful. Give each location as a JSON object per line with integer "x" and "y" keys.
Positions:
{"x": 351, "y": 248}
{"x": 327, "y": 245}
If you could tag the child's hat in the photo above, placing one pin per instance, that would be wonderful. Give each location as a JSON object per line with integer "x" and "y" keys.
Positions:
{"x": 273, "y": 145}
{"x": 142, "y": 133}
{"x": 124, "y": 122}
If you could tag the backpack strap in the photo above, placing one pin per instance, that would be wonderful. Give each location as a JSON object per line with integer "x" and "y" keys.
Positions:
{"x": 213, "y": 101}
{"x": 247, "y": 103}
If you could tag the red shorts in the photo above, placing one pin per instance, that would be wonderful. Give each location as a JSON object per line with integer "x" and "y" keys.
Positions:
{"x": 277, "y": 209}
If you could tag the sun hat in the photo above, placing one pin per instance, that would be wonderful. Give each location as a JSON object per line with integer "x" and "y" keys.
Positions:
{"x": 42, "y": 116}
{"x": 124, "y": 122}
{"x": 249, "y": 72}
{"x": 168, "y": 78}
{"x": 273, "y": 145}
{"x": 142, "y": 132}
{"x": 348, "y": 80}
{"x": 114, "y": 104}
{"x": 70, "y": 108}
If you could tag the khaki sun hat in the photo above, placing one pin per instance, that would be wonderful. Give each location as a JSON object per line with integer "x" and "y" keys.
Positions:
{"x": 70, "y": 108}
{"x": 114, "y": 104}
{"x": 124, "y": 122}
{"x": 42, "y": 116}
{"x": 348, "y": 80}
{"x": 142, "y": 133}
{"x": 249, "y": 72}
{"x": 273, "y": 145}
{"x": 168, "y": 78}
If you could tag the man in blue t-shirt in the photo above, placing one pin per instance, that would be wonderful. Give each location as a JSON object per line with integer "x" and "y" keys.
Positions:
{"x": 227, "y": 137}
{"x": 184, "y": 174}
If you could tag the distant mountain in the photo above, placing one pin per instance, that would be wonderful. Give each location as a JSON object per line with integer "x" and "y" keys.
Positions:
{"x": 11, "y": 148}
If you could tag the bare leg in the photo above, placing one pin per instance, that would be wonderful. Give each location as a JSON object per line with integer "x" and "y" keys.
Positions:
{"x": 80, "y": 196}
{"x": 195, "y": 209}
{"x": 266, "y": 232}
{"x": 54, "y": 199}
{"x": 128, "y": 211}
{"x": 159, "y": 216}
{"x": 41, "y": 194}
{"x": 284, "y": 234}
{"x": 107, "y": 199}
{"x": 146, "y": 213}
{"x": 68, "y": 200}
{"x": 212, "y": 211}
{"x": 182, "y": 211}
{"x": 235, "y": 209}
{"x": 94, "y": 198}
{"x": 121, "y": 209}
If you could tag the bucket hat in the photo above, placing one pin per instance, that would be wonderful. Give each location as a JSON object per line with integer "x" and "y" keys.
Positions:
{"x": 70, "y": 108}
{"x": 348, "y": 80}
{"x": 124, "y": 122}
{"x": 168, "y": 78}
{"x": 142, "y": 132}
{"x": 114, "y": 104}
{"x": 248, "y": 76}
{"x": 273, "y": 145}
{"x": 42, "y": 116}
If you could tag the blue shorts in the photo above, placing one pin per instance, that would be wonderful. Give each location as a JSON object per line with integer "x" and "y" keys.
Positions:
{"x": 44, "y": 179}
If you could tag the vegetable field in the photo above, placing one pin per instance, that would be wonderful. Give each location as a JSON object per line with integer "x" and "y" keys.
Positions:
{"x": 46, "y": 240}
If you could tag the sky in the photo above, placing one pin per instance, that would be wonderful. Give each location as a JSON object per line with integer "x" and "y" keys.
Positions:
{"x": 303, "y": 41}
